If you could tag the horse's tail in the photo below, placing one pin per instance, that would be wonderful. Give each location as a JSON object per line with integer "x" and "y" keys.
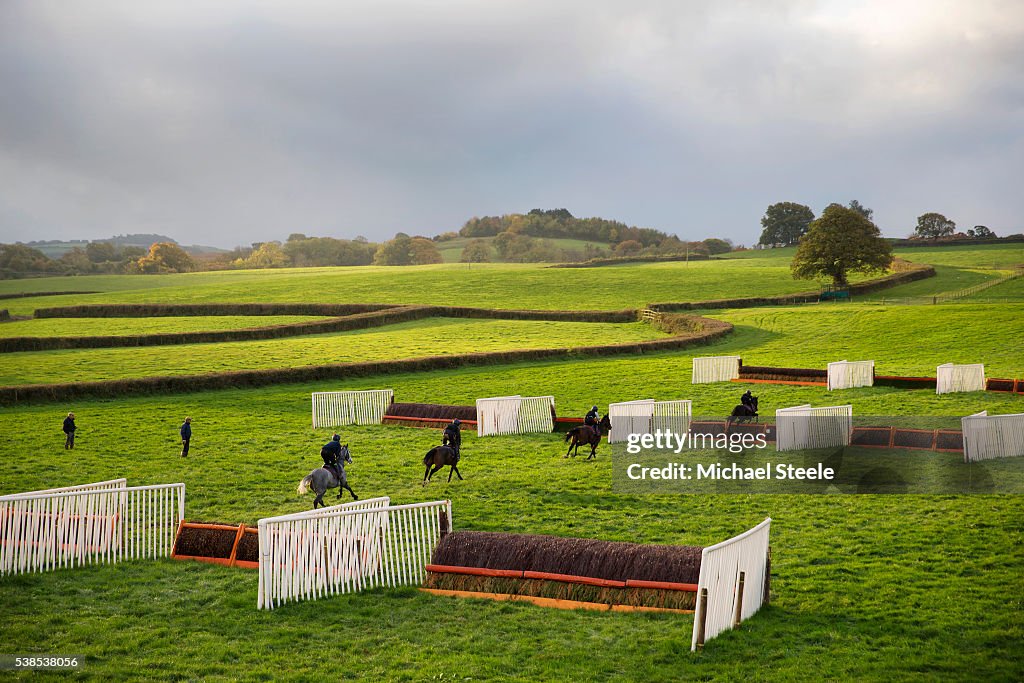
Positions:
{"x": 429, "y": 456}
{"x": 304, "y": 484}
{"x": 569, "y": 434}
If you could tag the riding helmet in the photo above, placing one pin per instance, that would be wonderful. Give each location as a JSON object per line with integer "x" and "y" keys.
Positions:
{"x": 336, "y": 437}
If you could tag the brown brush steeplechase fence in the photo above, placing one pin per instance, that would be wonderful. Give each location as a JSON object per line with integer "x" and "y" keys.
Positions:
{"x": 704, "y": 331}
{"x": 428, "y": 415}
{"x": 230, "y": 545}
{"x": 574, "y": 571}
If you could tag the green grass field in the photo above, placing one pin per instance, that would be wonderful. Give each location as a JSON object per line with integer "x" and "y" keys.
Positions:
{"x": 432, "y": 337}
{"x": 88, "y": 327}
{"x": 451, "y": 250}
{"x": 882, "y": 587}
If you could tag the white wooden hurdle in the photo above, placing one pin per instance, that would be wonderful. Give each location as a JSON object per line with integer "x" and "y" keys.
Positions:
{"x": 803, "y": 427}
{"x": 337, "y": 408}
{"x": 950, "y": 378}
{"x": 347, "y": 548}
{"x": 850, "y": 374}
{"x": 89, "y": 524}
{"x": 514, "y": 415}
{"x": 992, "y": 436}
{"x": 644, "y": 416}
{"x": 733, "y": 583}
{"x": 715, "y": 369}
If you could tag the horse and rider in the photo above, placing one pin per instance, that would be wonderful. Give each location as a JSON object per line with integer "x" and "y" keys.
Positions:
{"x": 447, "y": 454}
{"x": 588, "y": 434}
{"x": 332, "y": 475}
{"x": 746, "y": 411}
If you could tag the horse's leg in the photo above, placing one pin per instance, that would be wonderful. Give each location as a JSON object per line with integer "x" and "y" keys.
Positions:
{"x": 348, "y": 488}
{"x": 570, "y": 449}
{"x": 426, "y": 472}
{"x": 434, "y": 471}
{"x": 319, "y": 500}
{"x": 593, "y": 450}
{"x": 450, "y": 474}
{"x": 457, "y": 473}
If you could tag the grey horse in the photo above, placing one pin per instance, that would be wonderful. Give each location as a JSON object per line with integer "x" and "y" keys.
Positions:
{"x": 322, "y": 479}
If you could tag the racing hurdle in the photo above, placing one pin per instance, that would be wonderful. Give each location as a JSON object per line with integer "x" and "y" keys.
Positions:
{"x": 338, "y": 408}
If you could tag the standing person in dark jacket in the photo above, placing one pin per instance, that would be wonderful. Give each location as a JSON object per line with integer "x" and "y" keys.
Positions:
{"x": 453, "y": 437}
{"x": 69, "y": 431}
{"x": 186, "y": 435}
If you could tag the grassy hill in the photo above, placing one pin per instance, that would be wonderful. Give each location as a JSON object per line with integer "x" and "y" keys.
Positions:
{"x": 864, "y": 587}
{"x": 451, "y": 250}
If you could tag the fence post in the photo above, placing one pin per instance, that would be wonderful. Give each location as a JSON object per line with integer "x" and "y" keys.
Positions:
{"x": 737, "y": 616}
{"x": 767, "y": 577}
{"x": 703, "y": 618}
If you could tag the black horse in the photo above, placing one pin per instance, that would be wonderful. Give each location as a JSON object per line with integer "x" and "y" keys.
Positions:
{"x": 742, "y": 413}
{"x": 585, "y": 435}
{"x": 437, "y": 457}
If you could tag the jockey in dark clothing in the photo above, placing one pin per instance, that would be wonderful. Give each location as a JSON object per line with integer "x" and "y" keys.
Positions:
{"x": 747, "y": 399}
{"x": 330, "y": 453}
{"x": 590, "y": 419}
{"x": 453, "y": 437}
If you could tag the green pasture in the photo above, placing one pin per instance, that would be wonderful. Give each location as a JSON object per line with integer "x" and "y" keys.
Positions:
{"x": 102, "y": 327}
{"x": 864, "y": 587}
{"x": 881, "y": 587}
{"x": 431, "y": 337}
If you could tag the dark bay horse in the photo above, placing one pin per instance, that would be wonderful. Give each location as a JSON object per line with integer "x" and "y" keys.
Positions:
{"x": 587, "y": 436}
{"x": 742, "y": 413}
{"x": 437, "y": 457}
{"x": 322, "y": 479}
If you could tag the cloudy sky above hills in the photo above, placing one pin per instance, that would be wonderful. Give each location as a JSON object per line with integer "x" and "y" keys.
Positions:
{"x": 226, "y": 123}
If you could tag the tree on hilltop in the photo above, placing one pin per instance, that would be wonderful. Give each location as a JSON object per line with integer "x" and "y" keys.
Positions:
{"x": 476, "y": 251}
{"x": 933, "y": 226}
{"x": 165, "y": 257}
{"x": 785, "y": 223}
{"x": 840, "y": 242}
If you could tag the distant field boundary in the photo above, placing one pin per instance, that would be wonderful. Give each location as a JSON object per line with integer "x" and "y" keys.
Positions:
{"x": 22, "y": 295}
{"x": 920, "y": 272}
{"x": 696, "y": 331}
{"x": 355, "y": 317}
{"x": 620, "y": 260}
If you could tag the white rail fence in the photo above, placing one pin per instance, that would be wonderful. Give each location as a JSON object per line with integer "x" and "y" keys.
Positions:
{"x": 950, "y": 378}
{"x": 733, "y": 583}
{"x": 345, "y": 549}
{"x": 992, "y": 436}
{"x": 63, "y": 528}
{"x": 337, "y": 408}
{"x": 850, "y": 374}
{"x": 514, "y": 415}
{"x": 644, "y": 416}
{"x": 715, "y": 369}
{"x": 803, "y": 427}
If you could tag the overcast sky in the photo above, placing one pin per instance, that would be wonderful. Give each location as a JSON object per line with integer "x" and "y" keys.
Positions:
{"x": 226, "y": 123}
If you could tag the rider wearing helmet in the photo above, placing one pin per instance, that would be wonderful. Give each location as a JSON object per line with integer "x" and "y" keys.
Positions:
{"x": 747, "y": 399}
{"x": 330, "y": 452}
{"x": 453, "y": 437}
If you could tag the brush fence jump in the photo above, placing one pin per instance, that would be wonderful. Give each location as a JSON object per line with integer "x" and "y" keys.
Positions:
{"x": 337, "y": 408}
{"x": 851, "y": 374}
{"x": 347, "y": 548}
{"x": 514, "y": 415}
{"x": 89, "y": 524}
{"x": 647, "y": 415}
{"x": 803, "y": 427}
{"x": 715, "y": 369}
{"x": 992, "y": 436}
{"x": 733, "y": 584}
{"x": 950, "y": 378}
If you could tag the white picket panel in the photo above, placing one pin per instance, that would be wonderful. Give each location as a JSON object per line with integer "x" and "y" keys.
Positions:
{"x": 992, "y": 436}
{"x": 337, "y": 408}
{"x": 645, "y": 416}
{"x": 41, "y": 531}
{"x": 306, "y": 556}
{"x": 514, "y": 415}
{"x": 720, "y": 567}
{"x": 672, "y": 415}
{"x": 803, "y": 427}
{"x": 97, "y": 486}
{"x": 950, "y": 378}
{"x": 850, "y": 374}
{"x": 715, "y": 369}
